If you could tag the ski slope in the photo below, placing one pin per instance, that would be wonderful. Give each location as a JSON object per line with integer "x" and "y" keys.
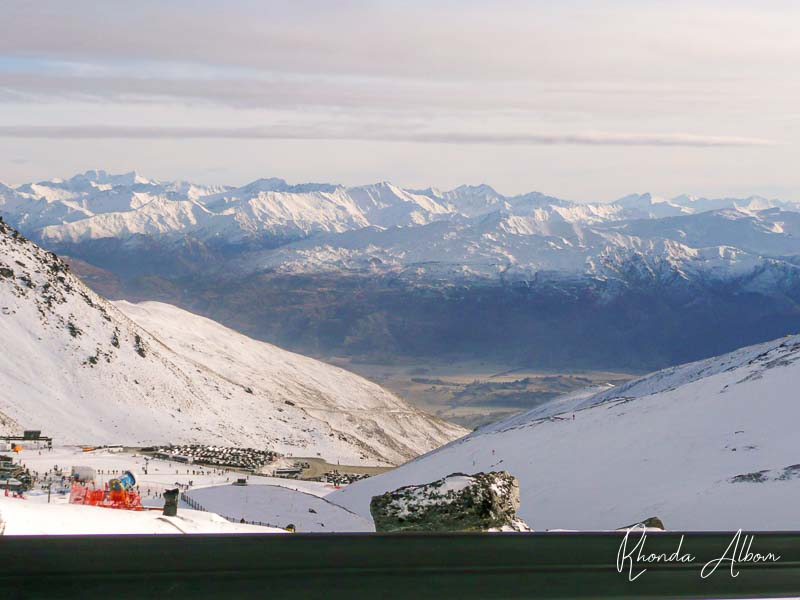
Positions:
{"x": 279, "y": 506}
{"x": 711, "y": 445}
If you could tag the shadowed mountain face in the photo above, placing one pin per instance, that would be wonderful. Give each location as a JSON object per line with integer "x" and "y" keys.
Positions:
{"x": 580, "y": 324}
{"x": 379, "y": 272}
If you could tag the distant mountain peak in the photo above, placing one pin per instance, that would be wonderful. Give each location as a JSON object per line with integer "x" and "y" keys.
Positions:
{"x": 266, "y": 184}
{"x": 481, "y": 188}
{"x": 431, "y": 192}
{"x": 102, "y": 177}
{"x": 378, "y": 185}
{"x": 276, "y": 184}
{"x": 471, "y": 226}
{"x": 638, "y": 199}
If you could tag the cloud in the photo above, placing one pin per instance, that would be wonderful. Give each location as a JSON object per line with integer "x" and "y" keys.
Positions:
{"x": 280, "y": 92}
{"x": 447, "y": 39}
{"x": 372, "y": 134}
{"x": 527, "y": 92}
{"x": 611, "y": 65}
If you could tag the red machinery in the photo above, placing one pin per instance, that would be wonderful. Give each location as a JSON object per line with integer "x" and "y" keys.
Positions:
{"x": 119, "y": 494}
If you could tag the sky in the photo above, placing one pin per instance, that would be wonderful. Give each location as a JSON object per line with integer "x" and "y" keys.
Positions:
{"x": 583, "y": 100}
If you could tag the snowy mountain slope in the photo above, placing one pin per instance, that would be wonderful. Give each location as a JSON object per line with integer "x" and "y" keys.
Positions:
{"x": 386, "y": 205}
{"x": 469, "y": 200}
{"x": 647, "y": 206}
{"x": 272, "y": 205}
{"x": 467, "y": 232}
{"x": 97, "y": 205}
{"x": 92, "y": 183}
{"x": 771, "y": 232}
{"x": 478, "y": 200}
{"x": 76, "y": 367}
{"x": 34, "y": 212}
{"x": 486, "y": 245}
{"x": 112, "y": 206}
{"x": 710, "y": 445}
{"x": 694, "y": 204}
{"x": 255, "y": 209}
{"x": 157, "y": 216}
{"x": 511, "y": 246}
{"x": 349, "y": 404}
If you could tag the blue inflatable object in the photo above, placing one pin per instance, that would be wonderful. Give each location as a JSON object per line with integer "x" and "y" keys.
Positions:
{"x": 127, "y": 480}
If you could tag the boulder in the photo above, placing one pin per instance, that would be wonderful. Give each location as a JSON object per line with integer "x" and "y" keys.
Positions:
{"x": 649, "y": 523}
{"x": 458, "y": 502}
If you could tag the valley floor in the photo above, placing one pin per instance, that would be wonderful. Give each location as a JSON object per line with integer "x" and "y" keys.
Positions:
{"x": 473, "y": 393}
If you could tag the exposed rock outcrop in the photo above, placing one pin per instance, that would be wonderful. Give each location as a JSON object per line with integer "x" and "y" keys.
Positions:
{"x": 458, "y": 502}
{"x": 649, "y": 523}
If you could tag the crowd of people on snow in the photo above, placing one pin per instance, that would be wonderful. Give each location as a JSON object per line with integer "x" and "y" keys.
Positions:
{"x": 250, "y": 459}
{"x": 337, "y": 478}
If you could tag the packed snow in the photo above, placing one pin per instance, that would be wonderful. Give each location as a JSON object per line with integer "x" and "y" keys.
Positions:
{"x": 153, "y": 475}
{"x": 279, "y": 506}
{"x": 41, "y": 512}
{"x": 710, "y": 445}
{"x": 22, "y": 517}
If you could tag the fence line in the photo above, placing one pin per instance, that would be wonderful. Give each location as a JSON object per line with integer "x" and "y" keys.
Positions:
{"x": 194, "y": 504}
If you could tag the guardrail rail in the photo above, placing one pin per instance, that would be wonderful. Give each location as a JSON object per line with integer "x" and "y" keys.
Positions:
{"x": 538, "y": 565}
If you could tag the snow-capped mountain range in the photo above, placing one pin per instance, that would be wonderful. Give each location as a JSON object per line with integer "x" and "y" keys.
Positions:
{"x": 85, "y": 370}
{"x": 470, "y": 231}
{"x": 710, "y": 445}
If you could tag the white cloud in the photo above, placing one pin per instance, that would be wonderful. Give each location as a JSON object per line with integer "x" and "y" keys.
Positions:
{"x": 330, "y": 133}
{"x": 644, "y": 76}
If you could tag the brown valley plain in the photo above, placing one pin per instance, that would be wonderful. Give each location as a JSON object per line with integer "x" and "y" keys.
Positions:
{"x": 473, "y": 393}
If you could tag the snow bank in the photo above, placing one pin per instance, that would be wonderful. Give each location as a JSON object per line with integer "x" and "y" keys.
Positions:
{"x": 22, "y": 517}
{"x": 279, "y": 506}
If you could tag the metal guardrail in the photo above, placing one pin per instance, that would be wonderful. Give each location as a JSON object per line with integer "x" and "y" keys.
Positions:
{"x": 546, "y": 565}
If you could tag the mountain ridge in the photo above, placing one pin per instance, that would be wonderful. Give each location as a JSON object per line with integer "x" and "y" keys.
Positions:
{"x": 360, "y": 271}
{"x": 85, "y": 371}
{"x": 381, "y": 204}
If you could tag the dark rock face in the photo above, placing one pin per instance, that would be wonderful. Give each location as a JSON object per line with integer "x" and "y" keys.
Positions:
{"x": 650, "y": 523}
{"x": 459, "y": 502}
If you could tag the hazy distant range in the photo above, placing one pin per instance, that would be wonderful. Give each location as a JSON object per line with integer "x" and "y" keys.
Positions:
{"x": 385, "y": 274}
